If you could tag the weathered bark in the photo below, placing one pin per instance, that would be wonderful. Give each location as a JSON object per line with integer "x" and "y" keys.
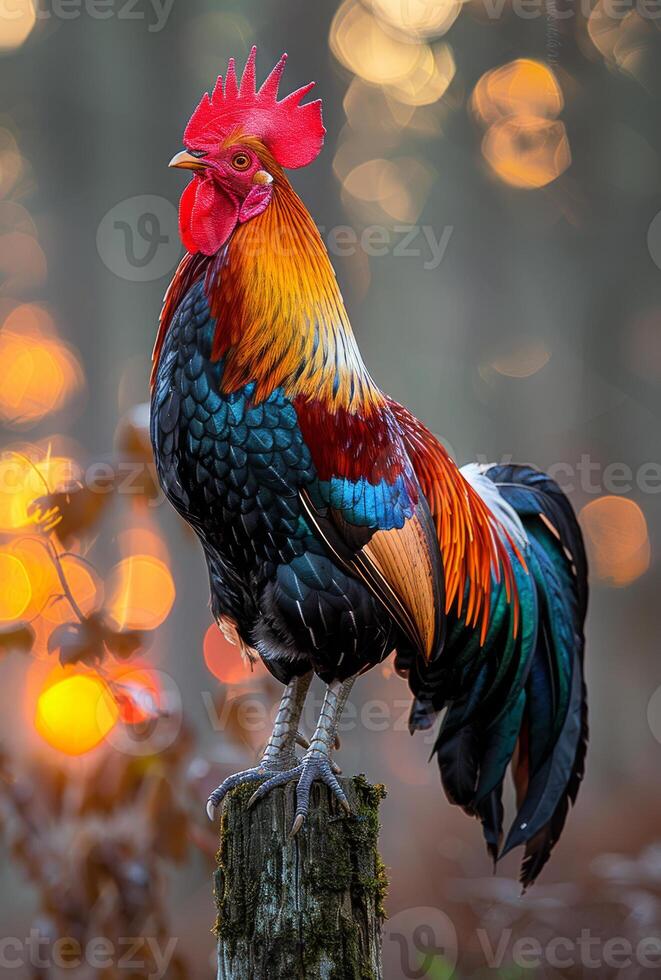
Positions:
{"x": 310, "y": 908}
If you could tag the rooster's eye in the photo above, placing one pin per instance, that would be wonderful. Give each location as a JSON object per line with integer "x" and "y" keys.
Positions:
{"x": 240, "y": 161}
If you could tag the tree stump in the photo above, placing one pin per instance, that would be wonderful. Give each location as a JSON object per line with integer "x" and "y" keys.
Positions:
{"x": 308, "y": 908}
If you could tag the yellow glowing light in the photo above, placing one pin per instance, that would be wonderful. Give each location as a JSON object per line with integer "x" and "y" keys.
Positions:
{"x": 15, "y": 589}
{"x": 75, "y": 714}
{"x": 527, "y": 151}
{"x": 521, "y": 88}
{"x": 617, "y": 540}
{"x": 32, "y": 555}
{"x": 523, "y": 362}
{"x": 361, "y": 44}
{"x": 17, "y": 20}
{"x": 364, "y": 107}
{"x": 624, "y": 40}
{"x": 140, "y": 592}
{"x": 419, "y": 18}
{"x": 23, "y": 481}
{"x": 428, "y": 81}
{"x": 142, "y": 541}
{"x": 39, "y": 372}
{"x": 398, "y": 187}
{"x": 372, "y": 180}
{"x": 84, "y": 585}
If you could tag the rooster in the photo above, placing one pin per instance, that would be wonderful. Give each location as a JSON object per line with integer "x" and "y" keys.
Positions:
{"x": 335, "y": 527}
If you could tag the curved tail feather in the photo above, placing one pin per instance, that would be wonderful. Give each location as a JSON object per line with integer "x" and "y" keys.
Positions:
{"x": 525, "y": 707}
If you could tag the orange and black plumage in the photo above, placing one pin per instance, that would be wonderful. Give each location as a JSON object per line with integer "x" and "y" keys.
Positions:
{"x": 335, "y": 526}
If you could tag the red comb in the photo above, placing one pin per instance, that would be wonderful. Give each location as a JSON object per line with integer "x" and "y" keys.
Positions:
{"x": 294, "y": 133}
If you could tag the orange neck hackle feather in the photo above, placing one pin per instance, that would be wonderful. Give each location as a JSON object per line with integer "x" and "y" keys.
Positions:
{"x": 280, "y": 316}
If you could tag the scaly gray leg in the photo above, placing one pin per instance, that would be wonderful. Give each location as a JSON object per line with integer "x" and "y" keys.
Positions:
{"x": 316, "y": 763}
{"x": 279, "y": 752}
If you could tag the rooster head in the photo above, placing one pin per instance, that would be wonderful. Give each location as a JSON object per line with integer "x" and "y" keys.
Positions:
{"x": 237, "y": 141}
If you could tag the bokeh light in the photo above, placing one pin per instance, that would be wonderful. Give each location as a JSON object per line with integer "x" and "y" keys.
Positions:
{"x": 15, "y": 590}
{"x": 421, "y": 19}
{"x": 617, "y": 540}
{"x": 40, "y": 373}
{"x": 522, "y": 87}
{"x": 83, "y": 583}
{"x": 16, "y": 23}
{"x": 395, "y": 189}
{"x": 12, "y": 165}
{"x": 625, "y": 39}
{"x": 526, "y": 359}
{"x": 26, "y": 476}
{"x": 363, "y": 46}
{"x": 224, "y": 660}
{"x": 23, "y": 266}
{"x": 74, "y": 714}
{"x": 137, "y": 690}
{"x": 15, "y": 217}
{"x": 429, "y": 79}
{"x": 140, "y": 593}
{"x": 527, "y": 151}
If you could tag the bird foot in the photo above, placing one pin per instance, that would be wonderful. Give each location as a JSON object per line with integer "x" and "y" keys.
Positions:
{"x": 262, "y": 771}
{"x": 275, "y": 772}
{"x": 314, "y": 766}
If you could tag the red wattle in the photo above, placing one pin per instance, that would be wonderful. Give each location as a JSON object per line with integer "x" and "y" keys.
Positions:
{"x": 207, "y": 216}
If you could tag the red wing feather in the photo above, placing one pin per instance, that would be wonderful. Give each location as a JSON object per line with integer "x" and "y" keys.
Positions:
{"x": 469, "y": 536}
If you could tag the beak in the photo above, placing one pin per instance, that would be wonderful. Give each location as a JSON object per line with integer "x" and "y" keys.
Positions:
{"x": 186, "y": 161}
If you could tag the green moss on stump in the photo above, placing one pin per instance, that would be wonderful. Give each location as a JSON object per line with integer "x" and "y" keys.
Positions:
{"x": 306, "y": 908}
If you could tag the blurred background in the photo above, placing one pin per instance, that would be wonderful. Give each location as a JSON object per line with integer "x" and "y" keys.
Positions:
{"x": 490, "y": 195}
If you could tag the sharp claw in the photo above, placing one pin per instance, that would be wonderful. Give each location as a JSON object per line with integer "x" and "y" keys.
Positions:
{"x": 336, "y": 769}
{"x": 297, "y": 824}
{"x": 338, "y": 742}
{"x": 253, "y": 799}
{"x": 345, "y": 806}
{"x": 302, "y": 741}
{"x": 211, "y": 811}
